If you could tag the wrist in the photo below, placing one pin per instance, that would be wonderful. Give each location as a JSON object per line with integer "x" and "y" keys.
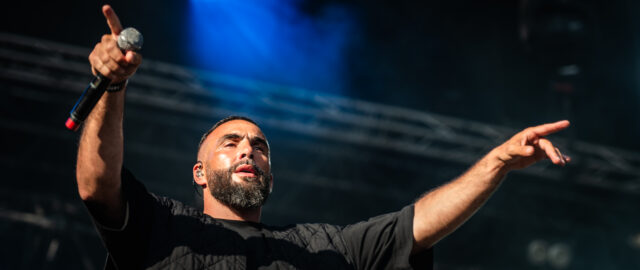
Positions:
{"x": 495, "y": 163}
{"x": 117, "y": 86}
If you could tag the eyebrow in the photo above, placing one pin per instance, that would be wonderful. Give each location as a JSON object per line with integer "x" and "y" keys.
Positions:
{"x": 226, "y": 137}
{"x": 260, "y": 141}
{"x": 234, "y": 136}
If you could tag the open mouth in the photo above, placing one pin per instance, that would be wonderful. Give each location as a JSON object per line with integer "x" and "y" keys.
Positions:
{"x": 246, "y": 171}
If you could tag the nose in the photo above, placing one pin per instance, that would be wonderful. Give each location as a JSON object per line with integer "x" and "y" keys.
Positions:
{"x": 245, "y": 150}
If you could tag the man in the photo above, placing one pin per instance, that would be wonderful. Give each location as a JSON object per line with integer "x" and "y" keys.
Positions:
{"x": 142, "y": 230}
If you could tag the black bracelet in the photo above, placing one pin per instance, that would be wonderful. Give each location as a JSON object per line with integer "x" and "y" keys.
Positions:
{"x": 116, "y": 87}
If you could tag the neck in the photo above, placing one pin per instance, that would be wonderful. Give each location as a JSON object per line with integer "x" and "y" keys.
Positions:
{"x": 216, "y": 209}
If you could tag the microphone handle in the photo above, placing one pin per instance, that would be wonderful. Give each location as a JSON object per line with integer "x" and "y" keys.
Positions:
{"x": 87, "y": 101}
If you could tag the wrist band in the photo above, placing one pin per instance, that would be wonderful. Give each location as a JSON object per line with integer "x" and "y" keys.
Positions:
{"x": 116, "y": 87}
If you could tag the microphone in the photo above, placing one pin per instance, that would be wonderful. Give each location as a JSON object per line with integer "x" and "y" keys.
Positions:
{"x": 129, "y": 39}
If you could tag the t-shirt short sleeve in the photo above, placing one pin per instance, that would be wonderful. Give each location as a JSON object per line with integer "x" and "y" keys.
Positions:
{"x": 386, "y": 242}
{"x": 126, "y": 243}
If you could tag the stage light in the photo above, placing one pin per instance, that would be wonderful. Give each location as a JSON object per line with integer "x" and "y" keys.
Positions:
{"x": 569, "y": 70}
{"x": 271, "y": 40}
{"x": 634, "y": 241}
{"x": 537, "y": 252}
{"x": 557, "y": 255}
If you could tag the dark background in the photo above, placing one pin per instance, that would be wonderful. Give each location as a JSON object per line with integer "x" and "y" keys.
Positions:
{"x": 465, "y": 59}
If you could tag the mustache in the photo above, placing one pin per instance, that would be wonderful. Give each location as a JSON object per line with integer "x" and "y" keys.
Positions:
{"x": 249, "y": 162}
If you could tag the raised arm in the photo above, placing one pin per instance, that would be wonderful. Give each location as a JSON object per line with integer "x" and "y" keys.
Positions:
{"x": 100, "y": 151}
{"x": 441, "y": 211}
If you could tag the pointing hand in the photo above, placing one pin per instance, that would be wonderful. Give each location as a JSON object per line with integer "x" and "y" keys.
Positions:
{"x": 107, "y": 58}
{"x": 530, "y": 146}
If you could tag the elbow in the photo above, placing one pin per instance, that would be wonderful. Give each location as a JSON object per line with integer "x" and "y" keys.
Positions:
{"x": 95, "y": 186}
{"x": 86, "y": 193}
{"x": 84, "y": 181}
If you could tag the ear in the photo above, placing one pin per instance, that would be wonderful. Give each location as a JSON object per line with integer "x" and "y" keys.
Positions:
{"x": 199, "y": 174}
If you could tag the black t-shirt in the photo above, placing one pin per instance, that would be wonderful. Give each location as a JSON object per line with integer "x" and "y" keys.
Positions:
{"x": 161, "y": 233}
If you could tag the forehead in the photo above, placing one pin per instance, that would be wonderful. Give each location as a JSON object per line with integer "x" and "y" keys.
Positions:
{"x": 239, "y": 127}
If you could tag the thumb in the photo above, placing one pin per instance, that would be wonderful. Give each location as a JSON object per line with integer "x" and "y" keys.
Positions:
{"x": 133, "y": 58}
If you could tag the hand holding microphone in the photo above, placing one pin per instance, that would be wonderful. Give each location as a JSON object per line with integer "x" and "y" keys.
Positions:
{"x": 113, "y": 60}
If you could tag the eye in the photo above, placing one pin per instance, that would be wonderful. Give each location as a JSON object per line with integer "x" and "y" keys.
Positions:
{"x": 229, "y": 144}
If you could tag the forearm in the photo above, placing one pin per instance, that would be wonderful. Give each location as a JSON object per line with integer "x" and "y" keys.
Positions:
{"x": 100, "y": 155}
{"x": 443, "y": 210}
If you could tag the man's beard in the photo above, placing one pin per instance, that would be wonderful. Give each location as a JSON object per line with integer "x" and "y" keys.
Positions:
{"x": 240, "y": 196}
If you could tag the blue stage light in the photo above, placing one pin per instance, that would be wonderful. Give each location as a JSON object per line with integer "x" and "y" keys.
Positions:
{"x": 272, "y": 40}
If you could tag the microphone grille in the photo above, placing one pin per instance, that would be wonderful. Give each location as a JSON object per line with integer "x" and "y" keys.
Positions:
{"x": 130, "y": 39}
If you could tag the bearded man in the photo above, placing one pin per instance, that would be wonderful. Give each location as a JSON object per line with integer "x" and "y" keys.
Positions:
{"x": 143, "y": 230}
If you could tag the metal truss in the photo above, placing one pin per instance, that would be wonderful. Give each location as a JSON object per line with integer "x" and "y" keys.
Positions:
{"x": 206, "y": 95}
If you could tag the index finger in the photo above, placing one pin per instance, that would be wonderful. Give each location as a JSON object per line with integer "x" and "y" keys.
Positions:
{"x": 112, "y": 20}
{"x": 546, "y": 129}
